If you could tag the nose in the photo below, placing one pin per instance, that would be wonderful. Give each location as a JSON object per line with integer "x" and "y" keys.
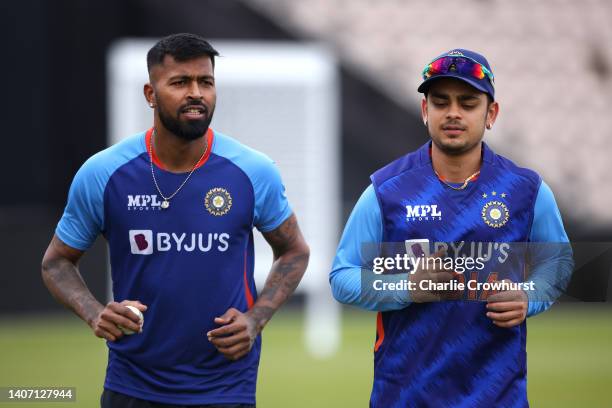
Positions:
{"x": 453, "y": 111}
{"x": 194, "y": 91}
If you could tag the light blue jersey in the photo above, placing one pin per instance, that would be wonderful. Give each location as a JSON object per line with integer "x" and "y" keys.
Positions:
{"x": 188, "y": 263}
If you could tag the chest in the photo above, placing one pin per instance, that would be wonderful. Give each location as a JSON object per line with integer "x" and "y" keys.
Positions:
{"x": 497, "y": 207}
{"x": 216, "y": 201}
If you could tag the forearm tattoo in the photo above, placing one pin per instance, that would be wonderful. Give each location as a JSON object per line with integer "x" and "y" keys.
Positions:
{"x": 62, "y": 278}
{"x": 290, "y": 260}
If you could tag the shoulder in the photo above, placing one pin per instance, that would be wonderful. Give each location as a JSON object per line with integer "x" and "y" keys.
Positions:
{"x": 104, "y": 163}
{"x": 545, "y": 201}
{"x": 407, "y": 163}
{"x": 254, "y": 164}
{"x": 506, "y": 165}
{"x": 367, "y": 208}
{"x": 545, "y": 192}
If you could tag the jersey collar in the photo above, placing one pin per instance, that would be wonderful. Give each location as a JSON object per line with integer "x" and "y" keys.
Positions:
{"x": 210, "y": 135}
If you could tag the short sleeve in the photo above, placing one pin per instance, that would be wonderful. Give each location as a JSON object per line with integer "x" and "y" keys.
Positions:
{"x": 271, "y": 207}
{"x": 271, "y": 204}
{"x": 83, "y": 216}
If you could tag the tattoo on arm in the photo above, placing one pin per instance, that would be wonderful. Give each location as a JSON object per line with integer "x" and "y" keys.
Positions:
{"x": 290, "y": 260}
{"x": 61, "y": 275}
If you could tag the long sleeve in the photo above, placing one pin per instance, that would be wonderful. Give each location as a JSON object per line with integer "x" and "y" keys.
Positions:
{"x": 364, "y": 227}
{"x": 552, "y": 263}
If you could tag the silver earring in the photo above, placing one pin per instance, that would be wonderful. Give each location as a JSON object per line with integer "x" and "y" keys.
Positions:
{"x": 425, "y": 122}
{"x": 151, "y": 104}
{"x": 489, "y": 126}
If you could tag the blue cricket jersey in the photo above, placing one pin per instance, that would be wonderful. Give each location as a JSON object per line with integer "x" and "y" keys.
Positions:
{"x": 446, "y": 354}
{"x": 188, "y": 263}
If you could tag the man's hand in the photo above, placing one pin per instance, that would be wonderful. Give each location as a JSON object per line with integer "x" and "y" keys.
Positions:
{"x": 235, "y": 338}
{"x": 114, "y": 314}
{"x": 507, "y": 309}
{"x": 238, "y": 330}
{"x": 435, "y": 275}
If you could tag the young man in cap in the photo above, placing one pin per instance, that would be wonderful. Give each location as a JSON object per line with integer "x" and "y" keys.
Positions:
{"x": 454, "y": 189}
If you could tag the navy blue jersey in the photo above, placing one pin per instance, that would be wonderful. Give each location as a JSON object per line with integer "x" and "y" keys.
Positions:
{"x": 446, "y": 354}
{"x": 188, "y": 263}
{"x": 449, "y": 354}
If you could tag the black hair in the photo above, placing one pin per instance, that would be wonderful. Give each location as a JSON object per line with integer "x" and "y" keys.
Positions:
{"x": 182, "y": 47}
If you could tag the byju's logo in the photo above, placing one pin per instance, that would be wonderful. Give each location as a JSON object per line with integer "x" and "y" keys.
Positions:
{"x": 143, "y": 202}
{"x": 141, "y": 242}
{"x": 423, "y": 212}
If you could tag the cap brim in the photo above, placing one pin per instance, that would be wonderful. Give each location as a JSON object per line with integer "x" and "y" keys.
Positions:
{"x": 424, "y": 87}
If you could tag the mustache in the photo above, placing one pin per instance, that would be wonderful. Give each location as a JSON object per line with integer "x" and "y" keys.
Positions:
{"x": 454, "y": 125}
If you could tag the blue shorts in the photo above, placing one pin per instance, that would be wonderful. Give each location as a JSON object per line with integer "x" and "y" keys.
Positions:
{"x": 112, "y": 399}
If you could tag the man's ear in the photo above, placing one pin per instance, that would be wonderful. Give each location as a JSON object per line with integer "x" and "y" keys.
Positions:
{"x": 424, "y": 110}
{"x": 492, "y": 112}
{"x": 149, "y": 94}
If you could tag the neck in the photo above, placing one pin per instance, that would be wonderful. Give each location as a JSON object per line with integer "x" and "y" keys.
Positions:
{"x": 177, "y": 154}
{"x": 456, "y": 168}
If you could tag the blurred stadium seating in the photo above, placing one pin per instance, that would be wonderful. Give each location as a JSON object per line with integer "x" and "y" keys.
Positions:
{"x": 552, "y": 61}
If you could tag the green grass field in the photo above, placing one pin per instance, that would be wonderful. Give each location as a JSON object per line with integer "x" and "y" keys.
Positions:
{"x": 569, "y": 352}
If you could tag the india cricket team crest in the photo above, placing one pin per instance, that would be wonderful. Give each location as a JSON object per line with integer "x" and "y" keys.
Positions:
{"x": 218, "y": 201}
{"x": 495, "y": 214}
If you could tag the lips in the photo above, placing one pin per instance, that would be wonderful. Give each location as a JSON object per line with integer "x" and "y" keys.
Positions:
{"x": 453, "y": 130}
{"x": 453, "y": 127}
{"x": 194, "y": 111}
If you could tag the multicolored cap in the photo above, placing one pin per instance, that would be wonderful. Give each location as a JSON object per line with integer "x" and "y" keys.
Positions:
{"x": 465, "y": 65}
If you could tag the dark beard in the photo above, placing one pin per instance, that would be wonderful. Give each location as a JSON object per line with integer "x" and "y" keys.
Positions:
{"x": 187, "y": 130}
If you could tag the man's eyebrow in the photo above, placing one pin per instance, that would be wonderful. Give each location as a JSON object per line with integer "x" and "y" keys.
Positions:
{"x": 468, "y": 97}
{"x": 185, "y": 76}
{"x": 439, "y": 95}
{"x": 462, "y": 98}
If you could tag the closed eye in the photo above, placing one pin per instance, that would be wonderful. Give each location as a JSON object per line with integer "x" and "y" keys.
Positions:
{"x": 207, "y": 81}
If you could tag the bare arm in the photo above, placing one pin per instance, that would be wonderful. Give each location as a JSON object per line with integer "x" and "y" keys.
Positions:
{"x": 291, "y": 255}
{"x": 61, "y": 275}
{"x": 238, "y": 331}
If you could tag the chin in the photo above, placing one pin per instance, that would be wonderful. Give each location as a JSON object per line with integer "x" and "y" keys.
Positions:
{"x": 451, "y": 145}
{"x": 193, "y": 130}
{"x": 453, "y": 150}
{"x": 190, "y": 136}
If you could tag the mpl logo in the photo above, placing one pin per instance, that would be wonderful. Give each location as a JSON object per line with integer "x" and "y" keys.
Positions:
{"x": 423, "y": 212}
{"x": 143, "y": 202}
{"x": 141, "y": 242}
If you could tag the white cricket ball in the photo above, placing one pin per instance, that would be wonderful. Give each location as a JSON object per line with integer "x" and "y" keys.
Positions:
{"x": 140, "y": 316}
